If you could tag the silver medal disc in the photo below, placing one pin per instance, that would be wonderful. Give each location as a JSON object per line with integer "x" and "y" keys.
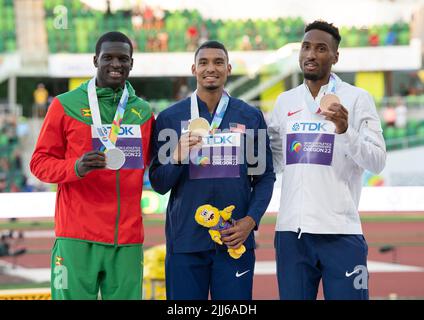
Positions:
{"x": 115, "y": 159}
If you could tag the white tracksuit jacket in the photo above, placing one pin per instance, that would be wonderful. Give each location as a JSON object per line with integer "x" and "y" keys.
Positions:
{"x": 324, "y": 199}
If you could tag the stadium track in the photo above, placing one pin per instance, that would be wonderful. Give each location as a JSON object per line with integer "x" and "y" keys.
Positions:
{"x": 406, "y": 237}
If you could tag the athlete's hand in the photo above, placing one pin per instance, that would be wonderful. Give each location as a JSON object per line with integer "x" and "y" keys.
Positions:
{"x": 235, "y": 236}
{"x": 338, "y": 115}
{"x": 90, "y": 161}
{"x": 187, "y": 142}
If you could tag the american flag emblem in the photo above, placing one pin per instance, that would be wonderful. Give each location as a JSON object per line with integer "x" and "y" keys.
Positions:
{"x": 237, "y": 127}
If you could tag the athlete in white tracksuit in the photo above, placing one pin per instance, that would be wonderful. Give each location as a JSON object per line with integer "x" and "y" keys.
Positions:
{"x": 322, "y": 156}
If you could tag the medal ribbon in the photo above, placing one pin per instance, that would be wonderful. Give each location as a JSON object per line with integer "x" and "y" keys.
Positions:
{"x": 108, "y": 142}
{"x": 219, "y": 113}
{"x": 312, "y": 104}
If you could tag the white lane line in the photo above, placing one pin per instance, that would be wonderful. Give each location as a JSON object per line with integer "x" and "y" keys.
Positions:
{"x": 32, "y": 274}
{"x": 269, "y": 267}
{"x": 261, "y": 268}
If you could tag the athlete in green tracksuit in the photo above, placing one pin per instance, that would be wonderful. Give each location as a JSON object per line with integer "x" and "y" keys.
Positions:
{"x": 98, "y": 223}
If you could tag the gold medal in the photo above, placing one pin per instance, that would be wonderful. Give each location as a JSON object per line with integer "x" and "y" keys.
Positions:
{"x": 199, "y": 126}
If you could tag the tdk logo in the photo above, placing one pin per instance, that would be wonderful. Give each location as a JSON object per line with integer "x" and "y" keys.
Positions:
{"x": 219, "y": 139}
{"x": 296, "y": 127}
{"x": 309, "y": 126}
{"x": 124, "y": 131}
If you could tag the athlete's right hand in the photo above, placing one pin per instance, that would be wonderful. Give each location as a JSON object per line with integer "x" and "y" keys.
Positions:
{"x": 90, "y": 161}
{"x": 187, "y": 142}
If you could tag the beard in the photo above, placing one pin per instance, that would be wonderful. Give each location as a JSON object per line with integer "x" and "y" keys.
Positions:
{"x": 311, "y": 76}
{"x": 319, "y": 74}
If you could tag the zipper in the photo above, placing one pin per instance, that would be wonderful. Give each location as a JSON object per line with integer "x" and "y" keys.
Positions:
{"x": 118, "y": 194}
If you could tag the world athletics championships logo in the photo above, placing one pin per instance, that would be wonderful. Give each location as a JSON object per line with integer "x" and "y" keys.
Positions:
{"x": 295, "y": 146}
{"x": 202, "y": 161}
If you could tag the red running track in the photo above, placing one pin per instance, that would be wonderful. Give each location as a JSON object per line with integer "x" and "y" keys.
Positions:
{"x": 408, "y": 237}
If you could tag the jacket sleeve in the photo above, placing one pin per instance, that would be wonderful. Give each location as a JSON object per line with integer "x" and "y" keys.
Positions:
{"x": 163, "y": 175}
{"x": 276, "y": 142}
{"x": 363, "y": 140}
{"x": 262, "y": 183}
{"x": 48, "y": 162}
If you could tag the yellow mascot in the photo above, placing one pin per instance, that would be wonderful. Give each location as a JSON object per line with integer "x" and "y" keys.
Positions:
{"x": 216, "y": 220}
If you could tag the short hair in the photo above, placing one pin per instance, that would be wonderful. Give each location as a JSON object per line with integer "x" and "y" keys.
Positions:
{"x": 326, "y": 27}
{"x": 211, "y": 44}
{"x": 113, "y": 36}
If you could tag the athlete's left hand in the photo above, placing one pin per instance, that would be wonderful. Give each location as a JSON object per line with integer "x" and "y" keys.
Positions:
{"x": 338, "y": 115}
{"x": 235, "y": 236}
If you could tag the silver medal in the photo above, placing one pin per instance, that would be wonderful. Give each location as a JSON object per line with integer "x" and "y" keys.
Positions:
{"x": 115, "y": 159}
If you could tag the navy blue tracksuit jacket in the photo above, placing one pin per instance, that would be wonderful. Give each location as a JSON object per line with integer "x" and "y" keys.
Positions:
{"x": 250, "y": 194}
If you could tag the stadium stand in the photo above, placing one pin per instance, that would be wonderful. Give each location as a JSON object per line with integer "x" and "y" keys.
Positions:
{"x": 156, "y": 30}
{"x": 408, "y": 131}
{"x": 7, "y": 26}
{"x": 399, "y": 138}
{"x": 12, "y": 178}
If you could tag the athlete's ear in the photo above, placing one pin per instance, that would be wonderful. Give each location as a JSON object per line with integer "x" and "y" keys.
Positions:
{"x": 229, "y": 68}
{"x": 193, "y": 69}
{"x": 132, "y": 63}
{"x": 96, "y": 64}
{"x": 336, "y": 57}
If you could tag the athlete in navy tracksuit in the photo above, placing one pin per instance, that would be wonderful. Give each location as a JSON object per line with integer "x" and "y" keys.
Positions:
{"x": 196, "y": 266}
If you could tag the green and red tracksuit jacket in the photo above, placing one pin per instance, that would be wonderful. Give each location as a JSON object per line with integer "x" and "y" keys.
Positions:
{"x": 103, "y": 206}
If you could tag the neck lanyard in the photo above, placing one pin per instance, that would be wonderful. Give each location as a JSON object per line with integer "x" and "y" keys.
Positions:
{"x": 108, "y": 141}
{"x": 311, "y": 103}
{"x": 220, "y": 110}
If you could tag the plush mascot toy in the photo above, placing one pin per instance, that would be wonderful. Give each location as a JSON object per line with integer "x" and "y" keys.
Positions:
{"x": 210, "y": 217}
